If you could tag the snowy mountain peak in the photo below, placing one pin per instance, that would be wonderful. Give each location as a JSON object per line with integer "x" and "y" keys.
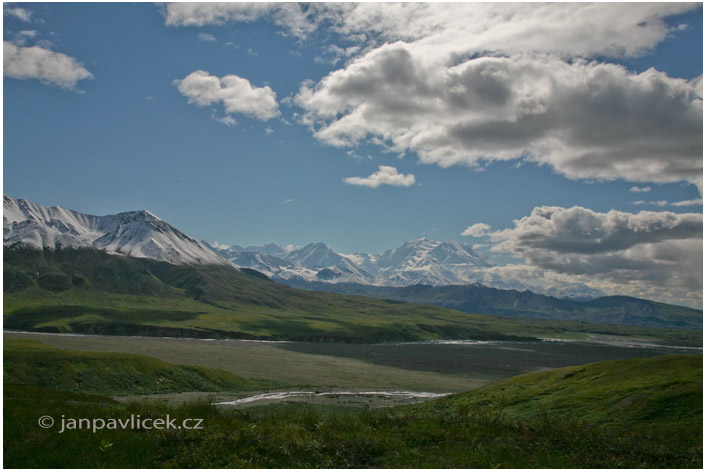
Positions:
{"x": 418, "y": 261}
{"x": 425, "y": 253}
{"x": 315, "y": 255}
{"x": 132, "y": 233}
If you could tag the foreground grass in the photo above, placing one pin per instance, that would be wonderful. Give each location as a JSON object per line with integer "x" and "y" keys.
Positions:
{"x": 461, "y": 432}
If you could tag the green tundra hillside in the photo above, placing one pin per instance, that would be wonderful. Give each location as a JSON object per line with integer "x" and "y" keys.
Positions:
{"x": 665, "y": 389}
{"x": 89, "y": 291}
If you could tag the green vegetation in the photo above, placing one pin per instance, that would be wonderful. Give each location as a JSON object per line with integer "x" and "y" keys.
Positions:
{"x": 32, "y": 363}
{"x": 665, "y": 389}
{"x": 88, "y": 291}
{"x": 649, "y": 429}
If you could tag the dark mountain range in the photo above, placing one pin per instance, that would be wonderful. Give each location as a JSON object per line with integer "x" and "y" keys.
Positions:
{"x": 491, "y": 301}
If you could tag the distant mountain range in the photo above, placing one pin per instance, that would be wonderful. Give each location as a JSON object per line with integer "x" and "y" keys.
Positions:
{"x": 418, "y": 262}
{"x": 142, "y": 234}
{"x": 485, "y": 300}
{"x": 446, "y": 274}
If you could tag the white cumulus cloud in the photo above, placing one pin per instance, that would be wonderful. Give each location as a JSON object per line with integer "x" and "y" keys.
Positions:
{"x": 236, "y": 94}
{"x": 638, "y": 127}
{"x": 291, "y": 16}
{"x": 570, "y": 28}
{"x": 656, "y": 255}
{"x": 477, "y": 230}
{"x": 17, "y": 12}
{"x": 50, "y": 67}
{"x": 467, "y": 83}
{"x": 226, "y": 120}
{"x": 637, "y": 189}
{"x": 201, "y": 14}
{"x": 694, "y": 202}
{"x": 385, "y": 175}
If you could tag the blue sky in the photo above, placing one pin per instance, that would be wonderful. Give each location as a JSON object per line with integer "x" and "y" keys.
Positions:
{"x": 128, "y": 138}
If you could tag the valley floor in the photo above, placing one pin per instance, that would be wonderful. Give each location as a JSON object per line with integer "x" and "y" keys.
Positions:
{"x": 629, "y": 413}
{"x": 452, "y": 366}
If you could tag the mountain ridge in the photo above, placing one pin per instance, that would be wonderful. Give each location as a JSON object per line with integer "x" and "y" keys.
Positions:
{"x": 475, "y": 298}
{"x": 133, "y": 233}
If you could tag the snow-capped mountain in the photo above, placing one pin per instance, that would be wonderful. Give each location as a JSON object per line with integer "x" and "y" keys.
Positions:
{"x": 273, "y": 267}
{"x": 428, "y": 262}
{"x": 314, "y": 262}
{"x": 421, "y": 261}
{"x": 320, "y": 256}
{"x": 316, "y": 255}
{"x": 422, "y": 252}
{"x": 417, "y": 262}
{"x": 134, "y": 233}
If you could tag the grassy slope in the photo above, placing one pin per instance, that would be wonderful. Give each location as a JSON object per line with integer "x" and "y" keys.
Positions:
{"x": 32, "y": 363}
{"x": 661, "y": 389}
{"x": 455, "y": 432}
{"x": 90, "y": 291}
